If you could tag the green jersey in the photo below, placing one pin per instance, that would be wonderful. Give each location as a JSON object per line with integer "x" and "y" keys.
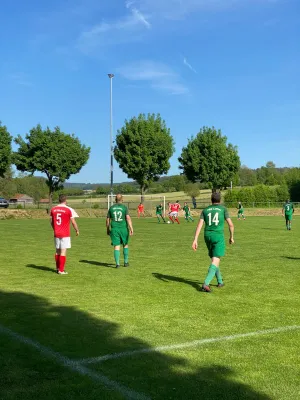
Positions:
{"x": 288, "y": 208}
{"x": 186, "y": 209}
{"x": 240, "y": 207}
{"x": 159, "y": 209}
{"x": 214, "y": 217}
{"x": 117, "y": 214}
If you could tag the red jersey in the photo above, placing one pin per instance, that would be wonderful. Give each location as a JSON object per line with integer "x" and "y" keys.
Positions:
{"x": 141, "y": 207}
{"x": 61, "y": 216}
{"x": 175, "y": 207}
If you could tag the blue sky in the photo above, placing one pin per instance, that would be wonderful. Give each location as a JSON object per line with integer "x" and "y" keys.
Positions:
{"x": 233, "y": 64}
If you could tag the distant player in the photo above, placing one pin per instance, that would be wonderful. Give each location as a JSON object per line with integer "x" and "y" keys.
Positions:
{"x": 119, "y": 227}
{"x": 60, "y": 218}
{"x": 240, "y": 211}
{"x": 174, "y": 210}
{"x": 187, "y": 213}
{"x": 214, "y": 217}
{"x": 141, "y": 210}
{"x": 287, "y": 212}
{"x": 159, "y": 212}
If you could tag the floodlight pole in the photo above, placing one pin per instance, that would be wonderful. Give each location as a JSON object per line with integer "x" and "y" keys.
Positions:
{"x": 111, "y": 76}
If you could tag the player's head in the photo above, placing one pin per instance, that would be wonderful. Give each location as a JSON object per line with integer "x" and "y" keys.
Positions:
{"x": 287, "y": 201}
{"x": 119, "y": 198}
{"x": 62, "y": 198}
{"x": 216, "y": 198}
{"x": 177, "y": 201}
{"x": 185, "y": 204}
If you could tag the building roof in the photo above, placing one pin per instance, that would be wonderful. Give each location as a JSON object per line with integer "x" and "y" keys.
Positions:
{"x": 19, "y": 196}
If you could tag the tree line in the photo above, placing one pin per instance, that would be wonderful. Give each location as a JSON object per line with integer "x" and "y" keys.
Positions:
{"x": 143, "y": 149}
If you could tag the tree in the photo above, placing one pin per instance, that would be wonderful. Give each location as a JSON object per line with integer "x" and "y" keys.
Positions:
{"x": 56, "y": 154}
{"x": 192, "y": 189}
{"x": 143, "y": 148}
{"x": 208, "y": 158}
{"x": 5, "y": 150}
{"x": 247, "y": 176}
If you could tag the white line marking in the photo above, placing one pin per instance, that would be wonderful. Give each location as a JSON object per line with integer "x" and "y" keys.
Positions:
{"x": 178, "y": 346}
{"x": 74, "y": 366}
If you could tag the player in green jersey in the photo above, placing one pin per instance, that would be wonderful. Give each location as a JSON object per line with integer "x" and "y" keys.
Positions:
{"x": 119, "y": 228}
{"x": 214, "y": 217}
{"x": 240, "y": 211}
{"x": 287, "y": 212}
{"x": 159, "y": 212}
{"x": 187, "y": 212}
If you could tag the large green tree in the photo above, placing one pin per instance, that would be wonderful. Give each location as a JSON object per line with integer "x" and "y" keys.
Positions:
{"x": 56, "y": 154}
{"x": 5, "y": 150}
{"x": 208, "y": 158}
{"x": 143, "y": 148}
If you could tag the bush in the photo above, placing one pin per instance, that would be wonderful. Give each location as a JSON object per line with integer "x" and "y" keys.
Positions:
{"x": 260, "y": 194}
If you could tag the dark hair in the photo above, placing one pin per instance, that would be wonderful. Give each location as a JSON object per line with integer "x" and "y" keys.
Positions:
{"x": 216, "y": 197}
{"x": 62, "y": 198}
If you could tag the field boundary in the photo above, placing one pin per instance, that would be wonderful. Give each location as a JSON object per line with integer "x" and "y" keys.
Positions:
{"x": 179, "y": 346}
{"x": 74, "y": 366}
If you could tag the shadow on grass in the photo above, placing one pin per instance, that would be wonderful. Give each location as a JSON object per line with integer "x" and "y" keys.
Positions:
{"x": 290, "y": 258}
{"x": 41, "y": 268}
{"x": 167, "y": 278}
{"x": 98, "y": 263}
{"x": 30, "y": 373}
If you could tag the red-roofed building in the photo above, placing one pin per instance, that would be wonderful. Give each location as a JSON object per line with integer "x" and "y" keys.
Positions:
{"x": 21, "y": 199}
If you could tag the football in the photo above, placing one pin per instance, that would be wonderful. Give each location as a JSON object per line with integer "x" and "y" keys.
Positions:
{"x": 168, "y": 222}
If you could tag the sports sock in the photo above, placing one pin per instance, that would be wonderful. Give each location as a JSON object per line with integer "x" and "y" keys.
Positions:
{"x": 211, "y": 273}
{"x": 158, "y": 219}
{"x": 177, "y": 220}
{"x": 62, "y": 263}
{"x": 219, "y": 275}
{"x": 125, "y": 253}
{"x": 163, "y": 219}
{"x": 117, "y": 256}
{"x": 191, "y": 219}
{"x": 57, "y": 257}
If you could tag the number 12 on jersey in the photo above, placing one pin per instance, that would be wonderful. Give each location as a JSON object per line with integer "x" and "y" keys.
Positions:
{"x": 118, "y": 216}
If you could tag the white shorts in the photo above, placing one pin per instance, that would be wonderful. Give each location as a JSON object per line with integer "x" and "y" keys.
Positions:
{"x": 62, "y": 243}
{"x": 174, "y": 214}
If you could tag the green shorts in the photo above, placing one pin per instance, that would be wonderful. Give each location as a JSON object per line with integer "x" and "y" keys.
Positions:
{"x": 119, "y": 236}
{"x": 159, "y": 214}
{"x": 288, "y": 217}
{"x": 215, "y": 245}
{"x": 241, "y": 211}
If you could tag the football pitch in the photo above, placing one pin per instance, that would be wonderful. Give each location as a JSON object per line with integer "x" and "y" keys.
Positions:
{"x": 147, "y": 332}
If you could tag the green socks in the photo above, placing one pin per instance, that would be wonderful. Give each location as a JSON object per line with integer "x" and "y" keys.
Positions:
{"x": 219, "y": 275}
{"x": 125, "y": 253}
{"x": 211, "y": 273}
{"x": 117, "y": 256}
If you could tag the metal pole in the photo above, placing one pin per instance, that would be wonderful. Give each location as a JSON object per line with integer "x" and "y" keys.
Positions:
{"x": 111, "y": 76}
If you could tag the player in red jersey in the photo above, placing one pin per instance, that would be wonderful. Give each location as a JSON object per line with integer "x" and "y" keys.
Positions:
{"x": 141, "y": 210}
{"x": 61, "y": 216}
{"x": 174, "y": 210}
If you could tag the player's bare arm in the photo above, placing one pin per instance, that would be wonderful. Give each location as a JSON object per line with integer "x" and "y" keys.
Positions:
{"x": 197, "y": 233}
{"x": 75, "y": 226}
{"x": 129, "y": 223}
{"x": 231, "y": 230}
{"x": 108, "y": 226}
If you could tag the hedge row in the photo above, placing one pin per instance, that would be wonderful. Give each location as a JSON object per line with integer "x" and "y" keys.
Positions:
{"x": 257, "y": 194}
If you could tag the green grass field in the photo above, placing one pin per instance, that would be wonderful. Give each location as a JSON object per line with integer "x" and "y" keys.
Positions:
{"x": 49, "y": 323}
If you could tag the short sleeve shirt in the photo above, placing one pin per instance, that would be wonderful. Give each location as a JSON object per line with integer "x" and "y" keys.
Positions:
{"x": 159, "y": 209}
{"x": 214, "y": 217}
{"x": 61, "y": 216}
{"x": 117, "y": 214}
{"x": 288, "y": 208}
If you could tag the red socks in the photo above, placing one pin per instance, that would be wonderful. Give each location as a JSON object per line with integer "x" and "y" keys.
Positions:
{"x": 57, "y": 256}
{"x": 177, "y": 220}
{"x": 62, "y": 263}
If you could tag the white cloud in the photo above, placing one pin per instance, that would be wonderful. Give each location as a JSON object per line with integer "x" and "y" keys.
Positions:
{"x": 122, "y": 30}
{"x": 187, "y": 64}
{"x": 158, "y": 75}
{"x": 173, "y": 9}
{"x": 20, "y": 78}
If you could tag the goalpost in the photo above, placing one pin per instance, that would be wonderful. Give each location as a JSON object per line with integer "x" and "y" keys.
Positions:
{"x": 133, "y": 200}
